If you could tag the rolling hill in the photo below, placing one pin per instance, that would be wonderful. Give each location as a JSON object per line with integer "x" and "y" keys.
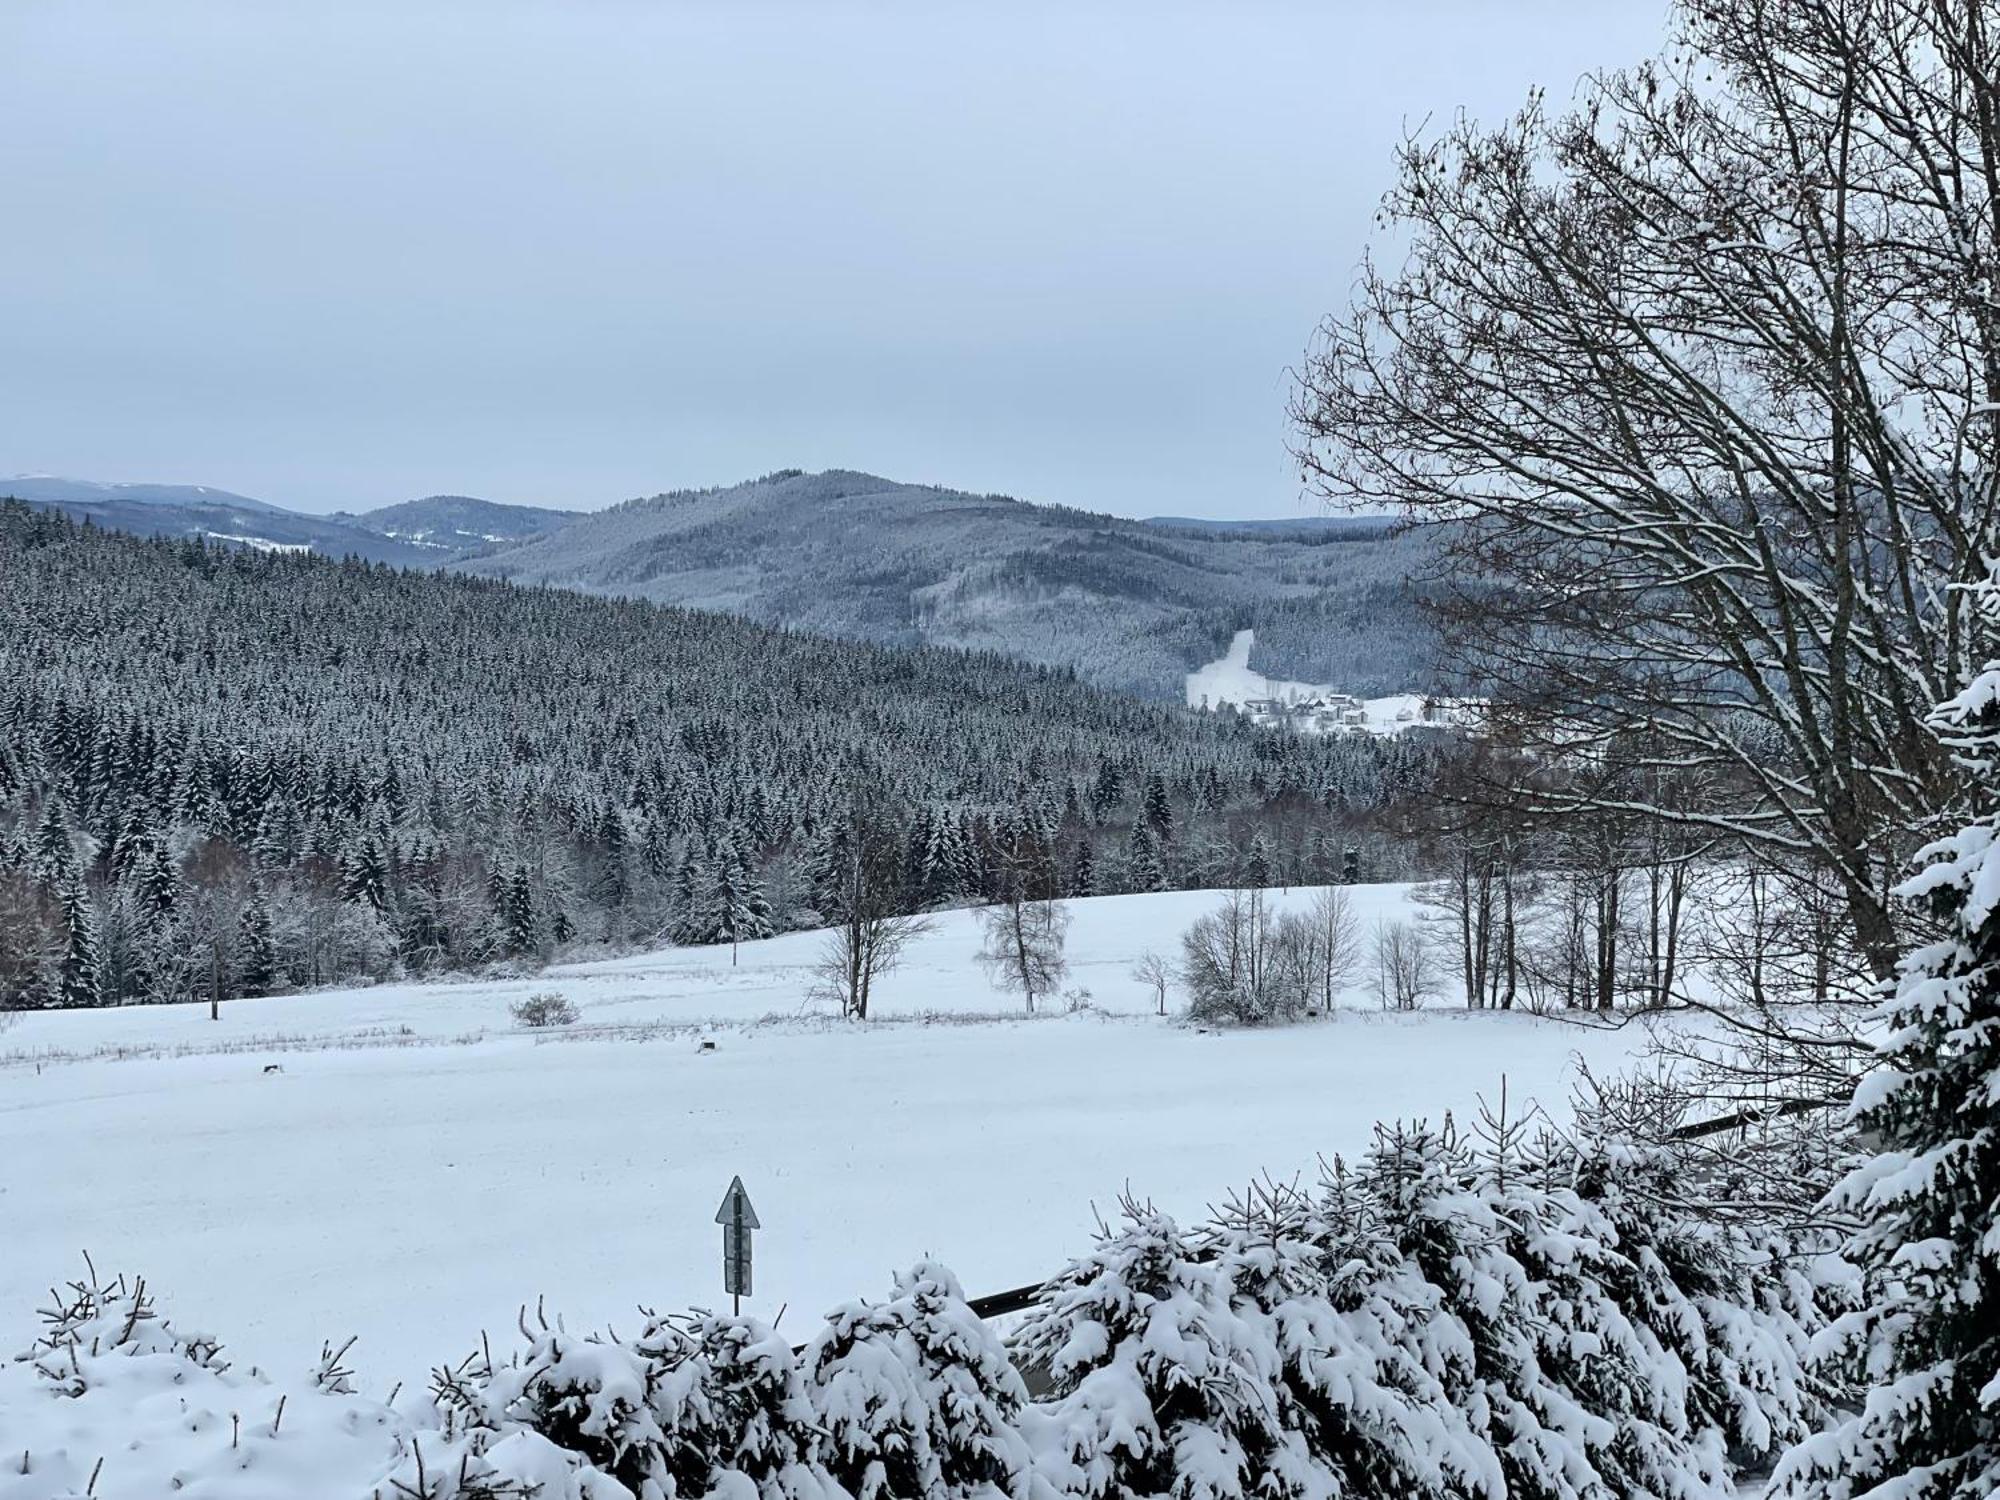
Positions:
{"x": 415, "y": 534}
{"x": 454, "y": 525}
{"x": 1127, "y": 604}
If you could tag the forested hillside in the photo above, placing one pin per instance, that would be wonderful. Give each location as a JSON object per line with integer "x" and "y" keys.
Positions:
{"x": 453, "y": 525}
{"x": 228, "y": 772}
{"x": 1127, "y": 604}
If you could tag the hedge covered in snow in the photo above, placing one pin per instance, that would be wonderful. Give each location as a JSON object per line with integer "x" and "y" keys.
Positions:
{"x": 1442, "y": 1318}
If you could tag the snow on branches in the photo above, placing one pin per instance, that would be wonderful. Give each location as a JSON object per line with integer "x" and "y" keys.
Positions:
{"x": 1923, "y": 1341}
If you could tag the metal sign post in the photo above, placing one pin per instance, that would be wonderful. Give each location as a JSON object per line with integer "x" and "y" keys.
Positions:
{"x": 737, "y": 1219}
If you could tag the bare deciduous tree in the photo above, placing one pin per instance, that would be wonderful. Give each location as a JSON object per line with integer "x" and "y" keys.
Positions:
{"x": 863, "y": 886}
{"x": 1023, "y": 947}
{"x": 859, "y": 951}
{"x": 1405, "y": 976}
{"x": 1706, "y": 376}
{"x": 1335, "y": 944}
{"x": 1153, "y": 969}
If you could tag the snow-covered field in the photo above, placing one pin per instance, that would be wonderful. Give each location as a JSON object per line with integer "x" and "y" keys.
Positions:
{"x": 418, "y": 1167}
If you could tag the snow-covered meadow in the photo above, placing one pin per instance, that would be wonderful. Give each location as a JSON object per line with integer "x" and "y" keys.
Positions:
{"x": 405, "y": 1164}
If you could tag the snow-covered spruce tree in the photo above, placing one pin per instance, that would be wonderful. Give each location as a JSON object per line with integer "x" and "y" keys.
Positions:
{"x": 917, "y": 1398}
{"x": 734, "y": 1417}
{"x": 256, "y": 956}
{"x": 591, "y": 1397}
{"x": 1144, "y": 870}
{"x": 700, "y": 912}
{"x": 1366, "y": 1360}
{"x": 77, "y": 985}
{"x": 1546, "y": 1440}
{"x": 1593, "y": 1337}
{"x": 736, "y": 902}
{"x": 1928, "y": 1336}
{"x": 51, "y": 851}
{"x": 1160, "y": 1386}
{"x": 159, "y": 880}
{"x": 692, "y": 1407}
{"x": 1738, "y": 1306}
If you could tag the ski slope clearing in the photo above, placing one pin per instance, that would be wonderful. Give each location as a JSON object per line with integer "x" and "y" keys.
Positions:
{"x": 405, "y": 1164}
{"x": 1314, "y": 707}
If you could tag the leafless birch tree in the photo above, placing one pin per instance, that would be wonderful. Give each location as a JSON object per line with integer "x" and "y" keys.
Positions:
{"x": 1022, "y": 949}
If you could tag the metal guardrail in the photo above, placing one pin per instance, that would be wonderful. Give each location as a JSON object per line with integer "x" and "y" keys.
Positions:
{"x": 1013, "y": 1300}
{"x": 1753, "y": 1115}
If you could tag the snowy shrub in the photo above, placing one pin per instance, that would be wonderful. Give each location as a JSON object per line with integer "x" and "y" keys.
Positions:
{"x": 732, "y": 1410}
{"x": 917, "y": 1397}
{"x": 1160, "y": 1386}
{"x": 547, "y": 1008}
{"x": 122, "y": 1404}
{"x": 109, "y": 1320}
{"x": 692, "y": 1406}
{"x": 1359, "y": 1342}
{"x": 519, "y": 1466}
{"x": 1230, "y": 965}
{"x": 591, "y": 1397}
{"x": 1543, "y": 1435}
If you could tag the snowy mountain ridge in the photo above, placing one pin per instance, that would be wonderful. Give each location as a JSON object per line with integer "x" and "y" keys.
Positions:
{"x": 1126, "y": 604}
{"x": 415, "y": 534}
{"x": 456, "y": 525}
{"x": 56, "y": 489}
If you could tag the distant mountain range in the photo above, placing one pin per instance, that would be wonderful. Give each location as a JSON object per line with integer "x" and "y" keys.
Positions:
{"x": 456, "y": 525}
{"x": 416, "y": 534}
{"x": 1128, "y": 604}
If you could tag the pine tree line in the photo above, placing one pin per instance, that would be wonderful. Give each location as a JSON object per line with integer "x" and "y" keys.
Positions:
{"x": 226, "y": 773}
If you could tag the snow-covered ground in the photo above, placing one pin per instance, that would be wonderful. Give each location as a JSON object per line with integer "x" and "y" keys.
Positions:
{"x": 260, "y": 543}
{"x": 419, "y": 1167}
{"x": 1230, "y": 679}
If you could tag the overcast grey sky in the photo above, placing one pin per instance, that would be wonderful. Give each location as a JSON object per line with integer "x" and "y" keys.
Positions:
{"x": 341, "y": 253}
